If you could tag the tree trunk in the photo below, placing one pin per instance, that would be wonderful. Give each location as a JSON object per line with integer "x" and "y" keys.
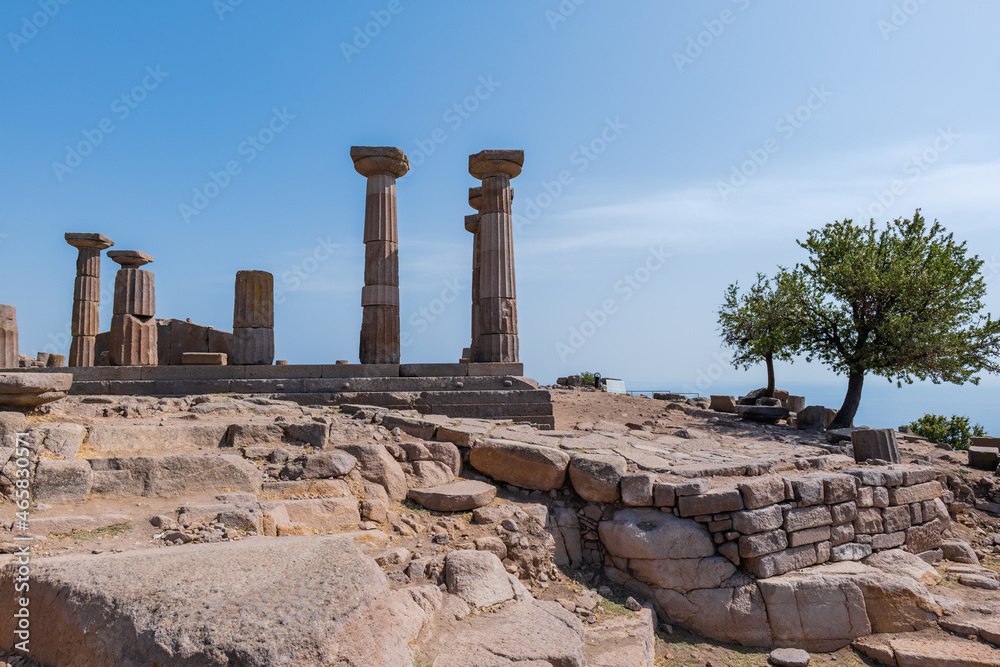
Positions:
{"x": 770, "y": 376}
{"x": 845, "y": 418}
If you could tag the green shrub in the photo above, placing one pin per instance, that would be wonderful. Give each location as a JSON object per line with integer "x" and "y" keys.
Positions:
{"x": 956, "y": 431}
{"x": 587, "y": 378}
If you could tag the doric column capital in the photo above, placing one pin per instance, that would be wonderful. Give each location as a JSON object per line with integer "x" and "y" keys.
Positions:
{"x": 95, "y": 241}
{"x": 130, "y": 259}
{"x": 476, "y": 197}
{"x": 373, "y": 160}
{"x": 495, "y": 163}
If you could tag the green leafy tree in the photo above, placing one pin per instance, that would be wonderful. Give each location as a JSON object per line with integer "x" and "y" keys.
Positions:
{"x": 956, "y": 432}
{"x": 587, "y": 378}
{"x": 763, "y": 324}
{"x": 903, "y": 302}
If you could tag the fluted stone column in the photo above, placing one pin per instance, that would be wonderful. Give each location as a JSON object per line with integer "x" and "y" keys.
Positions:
{"x": 9, "y": 356}
{"x": 133, "y": 327}
{"x": 253, "y": 319}
{"x": 472, "y": 226}
{"x": 497, "y": 340}
{"x": 86, "y": 296}
{"x": 380, "y": 295}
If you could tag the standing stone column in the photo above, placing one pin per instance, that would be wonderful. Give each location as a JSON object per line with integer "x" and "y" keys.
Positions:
{"x": 253, "y": 319}
{"x": 133, "y": 327}
{"x": 86, "y": 296}
{"x": 9, "y": 356}
{"x": 497, "y": 298}
{"x": 472, "y": 226}
{"x": 380, "y": 295}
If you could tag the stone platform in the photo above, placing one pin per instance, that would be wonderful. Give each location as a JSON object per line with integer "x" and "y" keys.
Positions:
{"x": 473, "y": 390}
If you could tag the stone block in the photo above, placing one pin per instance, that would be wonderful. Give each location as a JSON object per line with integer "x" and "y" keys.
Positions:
{"x": 809, "y": 536}
{"x": 868, "y": 521}
{"x": 888, "y": 540}
{"x": 984, "y": 458}
{"x": 692, "y": 487}
{"x": 841, "y": 534}
{"x": 812, "y": 417}
{"x": 664, "y": 494}
{"x": 802, "y": 518}
{"x": 879, "y": 443}
{"x": 896, "y": 518}
{"x": 204, "y": 359}
{"x": 711, "y": 502}
{"x": 596, "y": 478}
{"x": 839, "y": 489}
{"x": 753, "y": 546}
{"x": 850, "y": 551}
{"x": 762, "y": 491}
{"x": 774, "y": 564}
{"x": 880, "y": 496}
{"x": 220, "y": 342}
{"x": 253, "y": 346}
{"x": 924, "y": 538}
{"x": 62, "y": 481}
{"x": 807, "y": 491}
{"x": 913, "y": 494}
{"x": 750, "y": 522}
{"x": 637, "y": 490}
{"x": 866, "y": 497}
{"x": 844, "y": 512}
{"x": 133, "y": 341}
{"x": 723, "y": 404}
{"x": 796, "y": 404}
{"x": 920, "y": 475}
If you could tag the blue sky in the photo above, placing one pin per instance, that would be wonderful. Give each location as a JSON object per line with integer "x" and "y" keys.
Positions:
{"x": 671, "y": 148}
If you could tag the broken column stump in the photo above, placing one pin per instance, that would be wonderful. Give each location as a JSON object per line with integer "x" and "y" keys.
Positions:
{"x": 85, "y": 324}
{"x": 9, "y": 357}
{"x": 133, "y": 327}
{"x": 380, "y": 296}
{"x": 876, "y": 443}
{"x": 253, "y": 319}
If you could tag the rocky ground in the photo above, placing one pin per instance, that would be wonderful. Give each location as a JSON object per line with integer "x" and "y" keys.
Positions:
{"x": 467, "y": 587}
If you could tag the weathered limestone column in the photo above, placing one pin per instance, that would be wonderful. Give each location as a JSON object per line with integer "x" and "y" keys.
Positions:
{"x": 253, "y": 319}
{"x": 380, "y": 295}
{"x": 497, "y": 298}
{"x": 472, "y": 226}
{"x": 9, "y": 356}
{"x": 86, "y": 295}
{"x": 133, "y": 327}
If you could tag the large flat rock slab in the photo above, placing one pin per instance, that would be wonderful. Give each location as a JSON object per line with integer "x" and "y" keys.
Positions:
{"x": 293, "y": 601}
{"x": 628, "y": 640}
{"x": 26, "y": 391}
{"x": 527, "y": 633}
{"x": 459, "y": 496}
{"x": 521, "y": 464}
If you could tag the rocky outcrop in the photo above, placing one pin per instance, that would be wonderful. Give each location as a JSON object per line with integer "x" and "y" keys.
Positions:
{"x": 142, "y": 603}
{"x": 377, "y": 465}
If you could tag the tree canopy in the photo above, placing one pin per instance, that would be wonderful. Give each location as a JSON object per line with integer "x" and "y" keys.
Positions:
{"x": 763, "y": 324}
{"x": 903, "y": 301}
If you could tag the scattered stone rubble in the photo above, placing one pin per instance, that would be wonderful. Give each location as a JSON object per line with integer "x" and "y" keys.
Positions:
{"x": 721, "y": 529}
